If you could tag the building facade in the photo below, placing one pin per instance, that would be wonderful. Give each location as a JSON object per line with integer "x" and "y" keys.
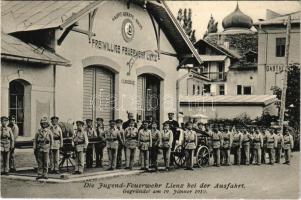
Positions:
{"x": 271, "y": 49}
{"x": 123, "y": 57}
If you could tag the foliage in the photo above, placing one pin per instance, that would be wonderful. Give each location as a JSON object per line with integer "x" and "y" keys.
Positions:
{"x": 211, "y": 27}
{"x": 185, "y": 20}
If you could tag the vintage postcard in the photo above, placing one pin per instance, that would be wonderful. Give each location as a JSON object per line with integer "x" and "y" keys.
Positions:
{"x": 140, "y": 99}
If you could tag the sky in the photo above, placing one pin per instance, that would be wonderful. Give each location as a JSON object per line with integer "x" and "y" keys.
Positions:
{"x": 202, "y": 10}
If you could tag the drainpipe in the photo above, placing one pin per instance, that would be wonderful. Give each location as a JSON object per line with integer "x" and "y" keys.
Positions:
{"x": 54, "y": 91}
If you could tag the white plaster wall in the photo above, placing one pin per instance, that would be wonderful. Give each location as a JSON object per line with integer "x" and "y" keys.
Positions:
{"x": 76, "y": 47}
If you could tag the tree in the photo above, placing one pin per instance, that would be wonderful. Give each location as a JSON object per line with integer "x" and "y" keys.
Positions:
{"x": 211, "y": 27}
{"x": 185, "y": 21}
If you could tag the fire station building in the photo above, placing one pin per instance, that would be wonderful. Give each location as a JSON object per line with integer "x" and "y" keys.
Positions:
{"x": 100, "y": 59}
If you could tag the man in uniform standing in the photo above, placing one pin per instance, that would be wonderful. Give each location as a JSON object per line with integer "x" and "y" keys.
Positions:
{"x": 144, "y": 143}
{"x": 43, "y": 142}
{"x": 257, "y": 145}
{"x": 264, "y": 148}
{"x": 120, "y": 143}
{"x": 288, "y": 145}
{"x": 131, "y": 142}
{"x": 191, "y": 142}
{"x": 174, "y": 125}
{"x": 217, "y": 142}
{"x": 112, "y": 136}
{"x": 57, "y": 136}
{"x": 271, "y": 145}
{"x": 7, "y": 144}
{"x": 156, "y": 142}
{"x": 237, "y": 145}
{"x": 80, "y": 141}
{"x": 167, "y": 140}
{"x": 227, "y": 143}
{"x": 91, "y": 133}
{"x": 246, "y": 142}
{"x": 279, "y": 144}
{"x": 15, "y": 130}
{"x": 100, "y": 145}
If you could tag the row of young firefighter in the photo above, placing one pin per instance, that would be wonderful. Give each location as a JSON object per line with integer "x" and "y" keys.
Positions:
{"x": 126, "y": 137}
{"x": 249, "y": 145}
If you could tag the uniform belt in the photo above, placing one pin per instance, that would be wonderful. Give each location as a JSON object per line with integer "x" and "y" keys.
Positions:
{"x": 112, "y": 139}
{"x": 57, "y": 138}
{"x": 78, "y": 143}
{"x": 287, "y": 142}
{"x": 215, "y": 140}
{"x": 256, "y": 142}
{"x": 145, "y": 140}
{"x": 226, "y": 139}
{"x": 45, "y": 142}
{"x": 271, "y": 141}
{"x": 246, "y": 141}
{"x": 189, "y": 141}
{"x": 132, "y": 138}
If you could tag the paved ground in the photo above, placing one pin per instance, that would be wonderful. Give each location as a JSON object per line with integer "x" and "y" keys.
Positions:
{"x": 278, "y": 181}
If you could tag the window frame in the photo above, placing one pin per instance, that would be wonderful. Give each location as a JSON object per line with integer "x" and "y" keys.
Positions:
{"x": 280, "y": 46}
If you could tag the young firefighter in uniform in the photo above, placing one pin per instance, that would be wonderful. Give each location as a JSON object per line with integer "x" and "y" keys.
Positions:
{"x": 237, "y": 145}
{"x": 217, "y": 142}
{"x": 15, "y": 130}
{"x": 227, "y": 143}
{"x": 156, "y": 142}
{"x": 257, "y": 145}
{"x": 112, "y": 136}
{"x": 57, "y": 136}
{"x": 246, "y": 142}
{"x": 191, "y": 140}
{"x": 174, "y": 125}
{"x": 7, "y": 144}
{"x": 279, "y": 144}
{"x": 144, "y": 143}
{"x": 131, "y": 142}
{"x": 42, "y": 145}
{"x": 288, "y": 145}
{"x": 100, "y": 145}
{"x": 91, "y": 133}
{"x": 80, "y": 140}
{"x": 264, "y": 147}
{"x": 167, "y": 140}
{"x": 251, "y": 131}
{"x": 271, "y": 145}
{"x": 120, "y": 143}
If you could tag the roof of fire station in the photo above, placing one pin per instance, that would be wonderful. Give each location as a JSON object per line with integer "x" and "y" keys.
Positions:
{"x": 295, "y": 19}
{"x": 62, "y": 14}
{"x": 15, "y": 49}
{"x": 237, "y": 100}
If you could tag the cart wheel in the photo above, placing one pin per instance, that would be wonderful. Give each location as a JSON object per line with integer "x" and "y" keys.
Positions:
{"x": 179, "y": 156}
{"x": 202, "y": 156}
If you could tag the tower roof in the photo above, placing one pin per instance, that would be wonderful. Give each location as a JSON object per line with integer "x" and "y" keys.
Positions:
{"x": 237, "y": 19}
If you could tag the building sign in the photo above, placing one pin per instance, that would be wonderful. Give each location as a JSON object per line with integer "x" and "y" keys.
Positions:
{"x": 127, "y": 15}
{"x": 274, "y": 68}
{"x": 123, "y": 50}
{"x": 125, "y": 81}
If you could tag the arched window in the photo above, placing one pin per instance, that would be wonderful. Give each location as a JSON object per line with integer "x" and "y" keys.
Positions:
{"x": 16, "y": 103}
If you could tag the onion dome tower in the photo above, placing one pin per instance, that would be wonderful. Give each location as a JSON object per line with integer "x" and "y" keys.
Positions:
{"x": 237, "y": 21}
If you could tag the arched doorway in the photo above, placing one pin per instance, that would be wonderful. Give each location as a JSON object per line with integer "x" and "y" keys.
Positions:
{"x": 98, "y": 93}
{"x": 19, "y": 104}
{"x": 148, "y": 97}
